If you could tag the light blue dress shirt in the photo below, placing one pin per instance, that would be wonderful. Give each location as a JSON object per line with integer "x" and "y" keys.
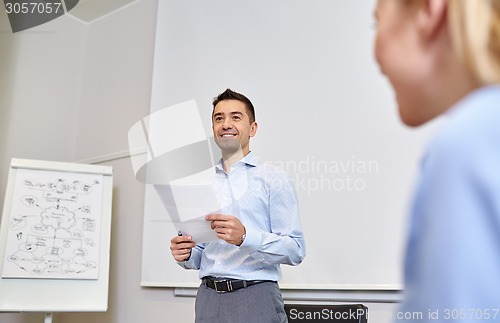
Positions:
{"x": 452, "y": 269}
{"x": 263, "y": 198}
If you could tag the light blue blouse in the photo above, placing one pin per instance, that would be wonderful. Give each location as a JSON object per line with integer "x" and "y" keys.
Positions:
{"x": 452, "y": 267}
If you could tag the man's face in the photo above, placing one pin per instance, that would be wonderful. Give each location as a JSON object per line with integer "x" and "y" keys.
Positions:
{"x": 232, "y": 127}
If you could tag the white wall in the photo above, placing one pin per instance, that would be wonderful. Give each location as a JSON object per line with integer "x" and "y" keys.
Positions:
{"x": 69, "y": 91}
{"x": 320, "y": 100}
{"x": 39, "y": 94}
{"x": 39, "y": 91}
{"x": 116, "y": 83}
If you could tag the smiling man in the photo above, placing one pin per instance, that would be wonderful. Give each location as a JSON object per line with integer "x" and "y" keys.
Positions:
{"x": 258, "y": 228}
{"x": 233, "y": 124}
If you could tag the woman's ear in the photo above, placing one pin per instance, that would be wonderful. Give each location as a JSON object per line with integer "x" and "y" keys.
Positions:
{"x": 431, "y": 17}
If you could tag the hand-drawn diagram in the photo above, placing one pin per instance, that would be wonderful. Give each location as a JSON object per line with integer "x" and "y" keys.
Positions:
{"x": 54, "y": 226}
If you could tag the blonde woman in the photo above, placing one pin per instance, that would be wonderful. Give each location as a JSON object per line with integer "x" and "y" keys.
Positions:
{"x": 442, "y": 57}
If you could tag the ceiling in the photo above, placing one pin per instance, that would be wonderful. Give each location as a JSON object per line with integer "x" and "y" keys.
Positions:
{"x": 90, "y": 10}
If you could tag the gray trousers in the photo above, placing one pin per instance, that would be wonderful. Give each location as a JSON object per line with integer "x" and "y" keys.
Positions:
{"x": 261, "y": 303}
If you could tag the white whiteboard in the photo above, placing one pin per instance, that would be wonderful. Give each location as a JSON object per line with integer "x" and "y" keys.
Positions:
{"x": 55, "y": 237}
{"x": 325, "y": 114}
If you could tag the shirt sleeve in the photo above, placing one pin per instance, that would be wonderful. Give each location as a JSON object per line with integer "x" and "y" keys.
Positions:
{"x": 285, "y": 243}
{"x": 194, "y": 260}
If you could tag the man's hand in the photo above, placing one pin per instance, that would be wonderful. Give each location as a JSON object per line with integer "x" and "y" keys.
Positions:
{"x": 227, "y": 227}
{"x": 181, "y": 246}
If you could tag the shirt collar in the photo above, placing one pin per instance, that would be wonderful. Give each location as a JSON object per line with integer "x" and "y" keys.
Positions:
{"x": 485, "y": 94}
{"x": 249, "y": 159}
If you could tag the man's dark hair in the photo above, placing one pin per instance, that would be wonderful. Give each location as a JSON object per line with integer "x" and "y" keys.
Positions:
{"x": 229, "y": 94}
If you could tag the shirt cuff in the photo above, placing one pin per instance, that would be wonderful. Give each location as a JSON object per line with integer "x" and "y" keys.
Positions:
{"x": 252, "y": 240}
{"x": 191, "y": 262}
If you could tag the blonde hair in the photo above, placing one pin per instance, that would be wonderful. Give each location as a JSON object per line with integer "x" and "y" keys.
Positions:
{"x": 475, "y": 31}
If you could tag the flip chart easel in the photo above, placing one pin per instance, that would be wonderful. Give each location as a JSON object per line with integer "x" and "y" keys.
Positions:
{"x": 55, "y": 237}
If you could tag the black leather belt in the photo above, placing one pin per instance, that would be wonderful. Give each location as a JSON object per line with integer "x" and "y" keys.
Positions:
{"x": 222, "y": 285}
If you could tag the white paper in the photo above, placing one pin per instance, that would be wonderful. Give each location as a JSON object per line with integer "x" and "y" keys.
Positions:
{"x": 199, "y": 229}
{"x": 187, "y": 206}
{"x": 54, "y": 226}
{"x": 184, "y": 203}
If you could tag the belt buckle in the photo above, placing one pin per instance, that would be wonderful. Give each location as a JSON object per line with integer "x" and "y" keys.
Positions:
{"x": 229, "y": 286}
